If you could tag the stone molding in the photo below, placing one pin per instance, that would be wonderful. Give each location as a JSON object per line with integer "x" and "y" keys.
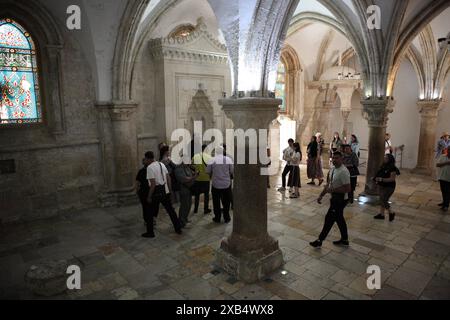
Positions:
{"x": 182, "y": 48}
{"x": 118, "y": 110}
{"x": 429, "y": 108}
{"x": 376, "y": 111}
{"x": 248, "y": 113}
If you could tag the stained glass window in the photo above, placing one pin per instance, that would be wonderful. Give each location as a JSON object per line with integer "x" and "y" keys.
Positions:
{"x": 280, "y": 86}
{"x": 19, "y": 82}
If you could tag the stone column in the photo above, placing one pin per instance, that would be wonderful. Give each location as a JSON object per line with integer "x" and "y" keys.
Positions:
{"x": 345, "y": 114}
{"x": 56, "y": 96}
{"x": 119, "y": 150}
{"x": 249, "y": 253}
{"x": 427, "y": 139}
{"x": 376, "y": 113}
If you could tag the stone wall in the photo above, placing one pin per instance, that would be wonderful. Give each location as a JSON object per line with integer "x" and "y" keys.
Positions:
{"x": 60, "y": 171}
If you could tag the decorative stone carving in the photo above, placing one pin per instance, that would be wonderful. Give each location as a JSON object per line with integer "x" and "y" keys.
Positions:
{"x": 376, "y": 111}
{"x": 187, "y": 48}
{"x": 429, "y": 108}
{"x": 201, "y": 110}
{"x": 181, "y": 64}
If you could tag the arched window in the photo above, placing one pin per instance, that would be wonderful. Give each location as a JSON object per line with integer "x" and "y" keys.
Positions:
{"x": 19, "y": 81}
{"x": 280, "y": 86}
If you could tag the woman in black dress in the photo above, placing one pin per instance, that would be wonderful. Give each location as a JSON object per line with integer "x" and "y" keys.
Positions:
{"x": 294, "y": 177}
{"x": 313, "y": 165}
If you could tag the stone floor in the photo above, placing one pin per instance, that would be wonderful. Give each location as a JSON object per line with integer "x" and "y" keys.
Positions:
{"x": 413, "y": 252}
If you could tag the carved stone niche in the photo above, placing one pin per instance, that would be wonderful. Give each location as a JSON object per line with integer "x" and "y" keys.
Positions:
{"x": 200, "y": 109}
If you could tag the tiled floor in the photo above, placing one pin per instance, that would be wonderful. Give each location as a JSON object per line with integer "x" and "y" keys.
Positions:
{"x": 413, "y": 252}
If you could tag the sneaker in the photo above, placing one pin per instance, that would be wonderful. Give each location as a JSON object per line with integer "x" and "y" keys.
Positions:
{"x": 341, "y": 243}
{"x": 294, "y": 196}
{"x": 316, "y": 244}
{"x": 391, "y": 216}
{"x": 379, "y": 217}
{"x": 312, "y": 183}
{"x": 208, "y": 211}
{"x": 281, "y": 189}
{"x": 148, "y": 235}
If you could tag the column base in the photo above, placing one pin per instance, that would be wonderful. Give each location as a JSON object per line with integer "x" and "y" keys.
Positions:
{"x": 370, "y": 199}
{"x": 249, "y": 270}
{"x": 118, "y": 198}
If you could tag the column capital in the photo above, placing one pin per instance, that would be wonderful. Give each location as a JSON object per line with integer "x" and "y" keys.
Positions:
{"x": 255, "y": 113}
{"x": 118, "y": 110}
{"x": 376, "y": 111}
{"x": 345, "y": 113}
{"x": 429, "y": 108}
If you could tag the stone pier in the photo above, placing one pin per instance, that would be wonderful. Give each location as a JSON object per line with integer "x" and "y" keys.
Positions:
{"x": 249, "y": 253}
{"x": 427, "y": 139}
{"x": 376, "y": 112}
{"x": 119, "y": 151}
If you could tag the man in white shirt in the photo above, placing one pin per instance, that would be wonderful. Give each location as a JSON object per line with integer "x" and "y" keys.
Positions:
{"x": 221, "y": 169}
{"x": 338, "y": 186}
{"x": 287, "y": 155}
{"x": 159, "y": 182}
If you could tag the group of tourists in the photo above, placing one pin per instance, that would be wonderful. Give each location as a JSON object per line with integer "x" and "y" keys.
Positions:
{"x": 163, "y": 182}
{"x": 341, "y": 180}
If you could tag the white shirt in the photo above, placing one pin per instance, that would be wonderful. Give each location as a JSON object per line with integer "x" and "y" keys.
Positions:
{"x": 387, "y": 146}
{"x": 287, "y": 154}
{"x": 221, "y": 168}
{"x": 339, "y": 177}
{"x": 295, "y": 159}
{"x": 154, "y": 172}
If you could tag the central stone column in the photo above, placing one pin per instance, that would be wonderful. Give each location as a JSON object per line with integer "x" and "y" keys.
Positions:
{"x": 249, "y": 253}
{"x": 376, "y": 112}
{"x": 427, "y": 140}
